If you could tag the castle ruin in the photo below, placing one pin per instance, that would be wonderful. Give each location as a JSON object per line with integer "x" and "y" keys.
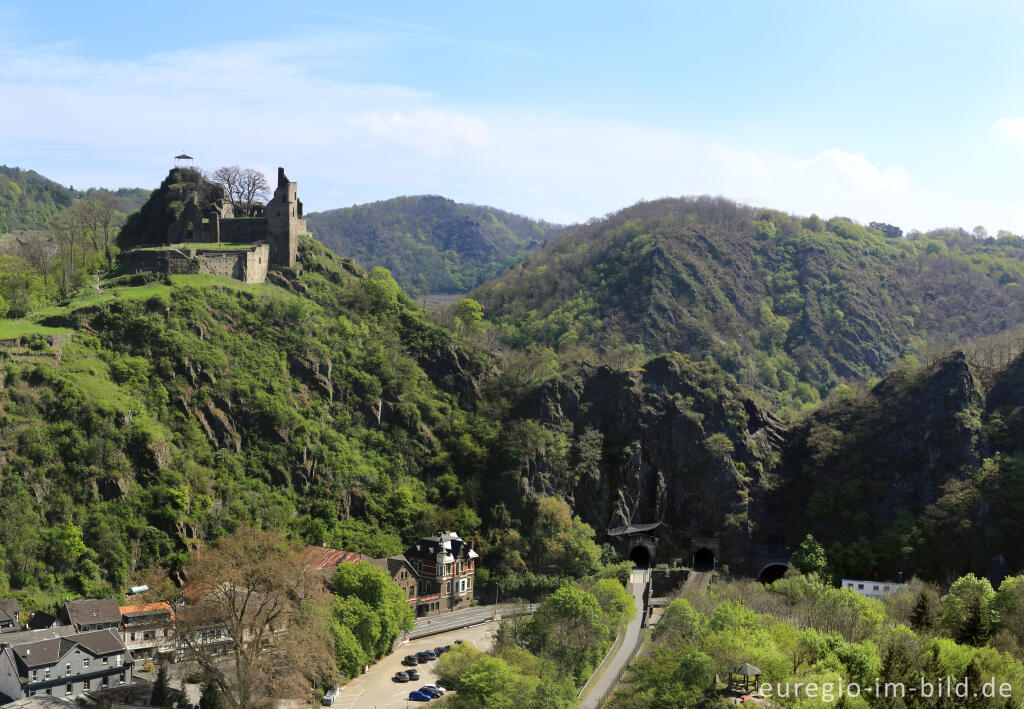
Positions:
{"x": 213, "y": 240}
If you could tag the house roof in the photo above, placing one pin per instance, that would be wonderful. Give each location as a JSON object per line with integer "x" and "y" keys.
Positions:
{"x": 322, "y": 558}
{"x": 10, "y": 609}
{"x": 30, "y": 636}
{"x": 87, "y": 611}
{"x": 48, "y": 652}
{"x": 746, "y": 670}
{"x": 40, "y": 701}
{"x": 393, "y": 563}
{"x": 453, "y": 547}
{"x": 147, "y": 610}
{"x": 41, "y": 619}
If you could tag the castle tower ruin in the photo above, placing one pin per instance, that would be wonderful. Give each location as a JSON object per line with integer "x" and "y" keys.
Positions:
{"x": 284, "y": 222}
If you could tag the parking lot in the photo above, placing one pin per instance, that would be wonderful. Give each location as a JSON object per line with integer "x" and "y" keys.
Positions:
{"x": 376, "y": 689}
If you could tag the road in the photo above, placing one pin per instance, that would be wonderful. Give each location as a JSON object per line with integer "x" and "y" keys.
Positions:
{"x": 460, "y": 619}
{"x": 615, "y": 665}
{"x": 377, "y": 690}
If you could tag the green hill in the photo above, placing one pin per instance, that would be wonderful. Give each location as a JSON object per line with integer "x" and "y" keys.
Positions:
{"x": 145, "y": 419}
{"x": 28, "y": 200}
{"x": 430, "y": 244}
{"x": 788, "y": 306}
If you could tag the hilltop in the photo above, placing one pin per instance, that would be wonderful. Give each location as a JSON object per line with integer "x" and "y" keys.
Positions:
{"x": 431, "y": 244}
{"x": 788, "y": 306}
{"x": 28, "y": 200}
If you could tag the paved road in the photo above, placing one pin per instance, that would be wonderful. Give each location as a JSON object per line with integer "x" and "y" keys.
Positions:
{"x": 617, "y": 662}
{"x": 377, "y": 690}
{"x": 461, "y": 619}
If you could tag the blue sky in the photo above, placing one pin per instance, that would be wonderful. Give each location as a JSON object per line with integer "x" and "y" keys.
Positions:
{"x": 910, "y": 112}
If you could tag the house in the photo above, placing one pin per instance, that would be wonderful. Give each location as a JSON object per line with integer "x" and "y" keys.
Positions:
{"x": 10, "y": 615}
{"x": 872, "y": 589}
{"x": 148, "y": 629}
{"x": 444, "y": 565}
{"x": 324, "y": 560}
{"x": 403, "y": 575}
{"x": 87, "y": 614}
{"x": 46, "y": 662}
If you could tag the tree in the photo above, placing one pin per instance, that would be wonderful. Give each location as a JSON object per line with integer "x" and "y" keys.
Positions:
{"x": 567, "y": 628}
{"x": 211, "y": 698}
{"x": 40, "y": 255}
{"x": 810, "y": 558}
{"x": 967, "y": 611}
{"x": 617, "y": 605}
{"x": 255, "y": 588}
{"x": 1009, "y": 604}
{"x": 161, "y": 695}
{"x": 244, "y": 187}
{"x": 925, "y": 611}
{"x": 469, "y": 315}
{"x": 380, "y": 602}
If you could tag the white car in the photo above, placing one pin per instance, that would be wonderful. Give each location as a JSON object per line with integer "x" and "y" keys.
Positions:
{"x": 436, "y": 688}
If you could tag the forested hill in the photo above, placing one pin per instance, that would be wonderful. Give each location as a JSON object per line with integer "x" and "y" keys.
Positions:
{"x": 28, "y": 200}
{"x": 144, "y": 419}
{"x": 431, "y": 244}
{"x": 788, "y": 306}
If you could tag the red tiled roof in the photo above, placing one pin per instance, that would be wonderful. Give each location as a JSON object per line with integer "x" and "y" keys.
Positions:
{"x": 160, "y": 606}
{"x": 322, "y": 558}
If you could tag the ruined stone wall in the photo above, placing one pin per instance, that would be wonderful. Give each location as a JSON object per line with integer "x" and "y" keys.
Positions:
{"x": 158, "y": 261}
{"x": 223, "y": 263}
{"x": 256, "y": 263}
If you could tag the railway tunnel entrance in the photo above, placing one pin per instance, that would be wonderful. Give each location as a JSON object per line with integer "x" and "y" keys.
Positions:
{"x": 636, "y": 542}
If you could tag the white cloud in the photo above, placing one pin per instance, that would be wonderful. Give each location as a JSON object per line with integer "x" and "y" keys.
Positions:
{"x": 271, "y": 103}
{"x": 836, "y": 170}
{"x": 1010, "y": 130}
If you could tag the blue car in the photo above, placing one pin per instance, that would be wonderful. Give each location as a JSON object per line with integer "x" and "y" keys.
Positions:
{"x": 430, "y": 691}
{"x": 418, "y": 696}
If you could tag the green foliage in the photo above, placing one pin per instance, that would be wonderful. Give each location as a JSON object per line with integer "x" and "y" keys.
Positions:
{"x": 371, "y": 606}
{"x": 161, "y": 695}
{"x": 430, "y": 244}
{"x": 810, "y": 558}
{"x": 968, "y": 610}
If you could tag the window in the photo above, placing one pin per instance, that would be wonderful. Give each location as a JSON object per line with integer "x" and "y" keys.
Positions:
{"x": 85, "y": 662}
{"x": 67, "y": 670}
{"x": 87, "y": 684}
{"x": 117, "y": 660}
{"x": 448, "y": 587}
{"x": 860, "y": 586}
{"x": 70, "y": 689}
{"x": 106, "y": 660}
{"x": 122, "y": 678}
{"x": 875, "y": 588}
{"x": 133, "y": 636}
{"x": 46, "y": 673}
{"x": 49, "y": 690}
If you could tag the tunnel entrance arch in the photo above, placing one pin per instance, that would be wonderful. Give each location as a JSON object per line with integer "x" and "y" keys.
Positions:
{"x": 636, "y": 542}
{"x": 770, "y": 573}
{"x": 703, "y": 559}
{"x": 640, "y": 556}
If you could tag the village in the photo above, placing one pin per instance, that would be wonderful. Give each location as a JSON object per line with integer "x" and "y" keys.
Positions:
{"x": 98, "y": 650}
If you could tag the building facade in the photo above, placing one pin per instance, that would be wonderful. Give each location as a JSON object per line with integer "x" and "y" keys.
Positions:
{"x": 872, "y": 589}
{"x": 148, "y": 630}
{"x": 445, "y": 566}
{"x": 46, "y": 662}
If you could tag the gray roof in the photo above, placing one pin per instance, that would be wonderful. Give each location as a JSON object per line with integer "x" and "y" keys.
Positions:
{"x": 453, "y": 547}
{"x": 633, "y": 529}
{"x": 746, "y": 669}
{"x": 10, "y": 610}
{"x": 49, "y": 651}
{"x": 30, "y": 636}
{"x": 87, "y": 611}
{"x": 41, "y": 701}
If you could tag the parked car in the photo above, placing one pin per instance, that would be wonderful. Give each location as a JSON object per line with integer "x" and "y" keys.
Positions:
{"x": 329, "y": 697}
{"x": 425, "y": 655}
{"x": 440, "y": 650}
{"x": 418, "y": 696}
{"x": 402, "y": 677}
{"x": 432, "y": 690}
{"x": 411, "y": 660}
{"x": 414, "y": 676}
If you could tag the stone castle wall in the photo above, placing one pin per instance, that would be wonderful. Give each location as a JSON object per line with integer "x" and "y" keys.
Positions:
{"x": 246, "y": 265}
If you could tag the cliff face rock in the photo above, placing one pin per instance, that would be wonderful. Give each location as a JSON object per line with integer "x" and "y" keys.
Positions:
{"x": 673, "y": 442}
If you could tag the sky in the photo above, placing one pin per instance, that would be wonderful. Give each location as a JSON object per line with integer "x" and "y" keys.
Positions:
{"x": 910, "y": 113}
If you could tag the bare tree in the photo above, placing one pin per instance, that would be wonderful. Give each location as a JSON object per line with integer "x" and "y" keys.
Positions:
{"x": 230, "y": 178}
{"x": 40, "y": 254}
{"x": 243, "y": 187}
{"x": 253, "y": 601}
{"x": 254, "y": 188}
